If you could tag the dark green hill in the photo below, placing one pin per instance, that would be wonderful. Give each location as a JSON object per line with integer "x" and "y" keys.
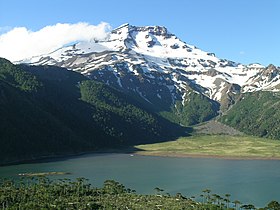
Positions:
{"x": 257, "y": 114}
{"x": 47, "y": 111}
{"x": 197, "y": 108}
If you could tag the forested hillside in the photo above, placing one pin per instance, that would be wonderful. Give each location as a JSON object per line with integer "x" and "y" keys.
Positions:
{"x": 197, "y": 108}
{"x": 258, "y": 114}
{"x": 52, "y": 111}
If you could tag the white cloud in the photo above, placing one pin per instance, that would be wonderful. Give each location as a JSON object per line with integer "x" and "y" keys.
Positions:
{"x": 21, "y": 43}
{"x": 242, "y": 53}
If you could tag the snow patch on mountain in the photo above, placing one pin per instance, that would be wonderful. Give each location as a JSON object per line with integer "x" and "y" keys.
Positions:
{"x": 155, "y": 57}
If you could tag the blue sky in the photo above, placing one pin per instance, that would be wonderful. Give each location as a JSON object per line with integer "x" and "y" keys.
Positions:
{"x": 245, "y": 31}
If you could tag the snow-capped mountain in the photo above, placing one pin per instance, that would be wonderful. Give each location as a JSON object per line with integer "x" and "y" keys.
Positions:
{"x": 155, "y": 65}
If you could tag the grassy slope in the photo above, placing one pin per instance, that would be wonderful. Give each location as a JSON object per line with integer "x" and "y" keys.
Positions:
{"x": 217, "y": 146}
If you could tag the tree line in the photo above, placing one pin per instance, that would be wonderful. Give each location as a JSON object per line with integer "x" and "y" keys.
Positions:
{"x": 39, "y": 192}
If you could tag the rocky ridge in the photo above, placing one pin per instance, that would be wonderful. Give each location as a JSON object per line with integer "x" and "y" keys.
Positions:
{"x": 161, "y": 70}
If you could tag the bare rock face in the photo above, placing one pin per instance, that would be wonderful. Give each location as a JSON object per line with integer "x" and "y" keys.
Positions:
{"x": 270, "y": 72}
{"x": 230, "y": 95}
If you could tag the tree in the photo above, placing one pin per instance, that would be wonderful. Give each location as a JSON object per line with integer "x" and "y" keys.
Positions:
{"x": 227, "y": 200}
{"x": 236, "y": 203}
{"x": 273, "y": 205}
{"x": 206, "y": 194}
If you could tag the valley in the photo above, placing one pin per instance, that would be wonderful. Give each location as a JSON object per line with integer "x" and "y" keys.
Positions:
{"x": 139, "y": 86}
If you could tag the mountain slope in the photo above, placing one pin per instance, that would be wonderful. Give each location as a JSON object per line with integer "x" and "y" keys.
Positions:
{"x": 257, "y": 114}
{"x": 157, "y": 68}
{"x": 50, "y": 111}
{"x": 27, "y": 130}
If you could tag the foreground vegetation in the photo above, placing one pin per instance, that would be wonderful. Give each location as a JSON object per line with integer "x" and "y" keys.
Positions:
{"x": 41, "y": 193}
{"x": 217, "y": 146}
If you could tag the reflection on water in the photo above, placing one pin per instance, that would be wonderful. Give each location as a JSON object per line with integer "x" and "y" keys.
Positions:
{"x": 251, "y": 181}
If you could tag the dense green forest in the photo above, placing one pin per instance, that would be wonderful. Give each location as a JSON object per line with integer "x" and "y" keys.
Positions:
{"x": 42, "y": 193}
{"x": 197, "y": 108}
{"x": 256, "y": 114}
{"x": 118, "y": 116}
{"x": 47, "y": 111}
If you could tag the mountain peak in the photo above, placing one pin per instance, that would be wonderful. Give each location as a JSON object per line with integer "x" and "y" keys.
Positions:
{"x": 125, "y": 25}
{"x": 154, "y": 30}
{"x": 153, "y": 63}
{"x": 271, "y": 67}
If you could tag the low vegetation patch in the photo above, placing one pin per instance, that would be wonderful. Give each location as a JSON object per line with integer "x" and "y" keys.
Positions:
{"x": 223, "y": 146}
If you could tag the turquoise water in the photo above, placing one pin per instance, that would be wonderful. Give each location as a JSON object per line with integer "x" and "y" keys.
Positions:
{"x": 250, "y": 181}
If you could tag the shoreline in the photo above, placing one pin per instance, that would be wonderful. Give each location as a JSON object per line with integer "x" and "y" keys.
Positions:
{"x": 222, "y": 157}
{"x": 60, "y": 157}
{"x": 133, "y": 151}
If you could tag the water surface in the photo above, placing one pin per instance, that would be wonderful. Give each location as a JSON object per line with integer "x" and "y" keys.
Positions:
{"x": 250, "y": 181}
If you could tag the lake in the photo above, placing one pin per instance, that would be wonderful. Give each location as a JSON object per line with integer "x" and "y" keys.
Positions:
{"x": 250, "y": 181}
